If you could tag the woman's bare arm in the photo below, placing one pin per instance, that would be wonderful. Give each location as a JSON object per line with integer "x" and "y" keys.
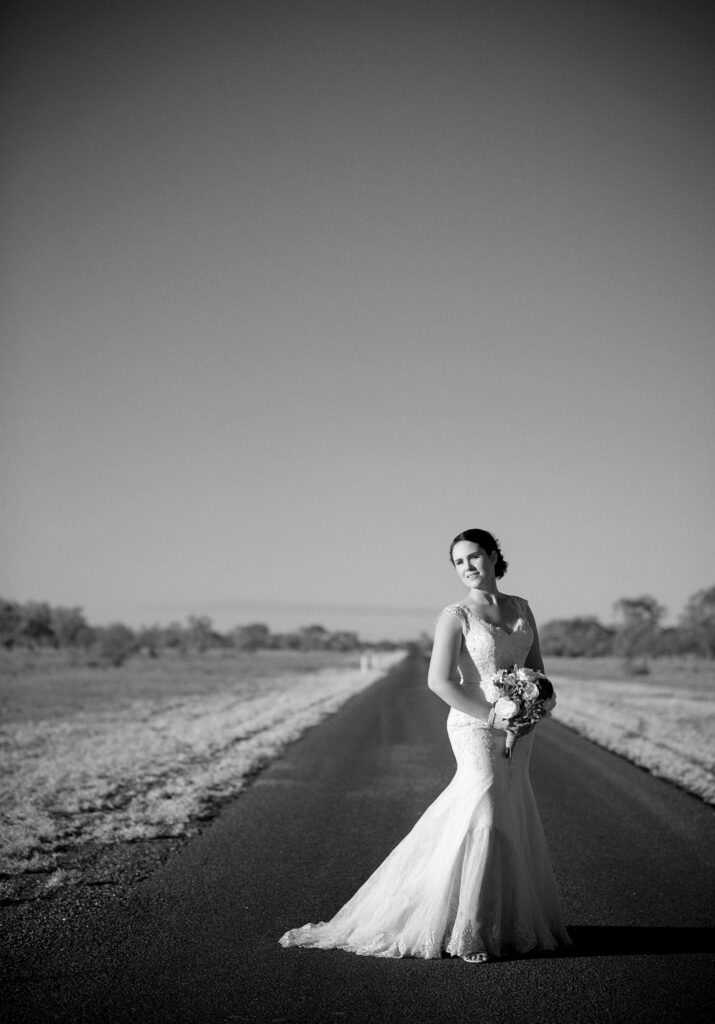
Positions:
{"x": 442, "y": 676}
{"x": 533, "y": 658}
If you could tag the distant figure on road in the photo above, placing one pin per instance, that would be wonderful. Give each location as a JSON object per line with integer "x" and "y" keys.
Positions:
{"x": 473, "y": 878}
{"x": 366, "y": 661}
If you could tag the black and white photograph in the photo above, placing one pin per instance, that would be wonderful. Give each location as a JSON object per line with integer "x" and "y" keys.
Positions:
{"x": 357, "y": 558}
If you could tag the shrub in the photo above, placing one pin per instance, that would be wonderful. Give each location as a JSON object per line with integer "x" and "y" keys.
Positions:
{"x": 115, "y": 643}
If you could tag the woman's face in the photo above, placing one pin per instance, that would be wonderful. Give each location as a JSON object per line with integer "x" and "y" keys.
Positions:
{"x": 474, "y": 566}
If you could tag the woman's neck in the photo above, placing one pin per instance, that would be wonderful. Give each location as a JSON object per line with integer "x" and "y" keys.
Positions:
{"x": 490, "y": 597}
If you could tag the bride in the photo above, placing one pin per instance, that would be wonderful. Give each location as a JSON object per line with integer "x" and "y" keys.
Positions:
{"x": 473, "y": 878}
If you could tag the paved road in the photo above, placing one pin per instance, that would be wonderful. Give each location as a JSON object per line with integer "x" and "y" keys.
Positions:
{"x": 196, "y": 942}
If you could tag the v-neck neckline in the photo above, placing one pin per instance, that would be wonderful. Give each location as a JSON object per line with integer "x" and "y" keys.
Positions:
{"x": 494, "y": 625}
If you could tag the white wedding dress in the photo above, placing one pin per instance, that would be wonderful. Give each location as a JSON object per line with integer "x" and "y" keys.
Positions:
{"x": 474, "y": 873}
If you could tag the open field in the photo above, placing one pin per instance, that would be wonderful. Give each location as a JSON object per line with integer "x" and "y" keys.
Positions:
{"x": 664, "y": 721}
{"x": 95, "y": 757}
{"x": 46, "y": 684}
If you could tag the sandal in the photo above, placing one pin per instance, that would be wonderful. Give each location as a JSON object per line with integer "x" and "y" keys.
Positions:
{"x": 476, "y": 958}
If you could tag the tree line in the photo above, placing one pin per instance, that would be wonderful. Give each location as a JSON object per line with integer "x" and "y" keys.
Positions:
{"x": 38, "y": 624}
{"x": 636, "y": 635}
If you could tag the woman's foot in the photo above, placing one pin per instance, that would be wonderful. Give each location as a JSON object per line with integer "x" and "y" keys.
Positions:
{"x": 476, "y": 958}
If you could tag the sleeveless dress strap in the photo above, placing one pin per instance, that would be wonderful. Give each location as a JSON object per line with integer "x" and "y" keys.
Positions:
{"x": 458, "y": 612}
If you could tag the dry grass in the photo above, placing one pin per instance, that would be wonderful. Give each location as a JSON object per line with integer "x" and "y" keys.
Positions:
{"x": 47, "y": 684}
{"x": 664, "y": 721}
{"x": 95, "y": 756}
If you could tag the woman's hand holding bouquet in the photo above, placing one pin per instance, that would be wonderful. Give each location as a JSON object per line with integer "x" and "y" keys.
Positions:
{"x": 521, "y": 697}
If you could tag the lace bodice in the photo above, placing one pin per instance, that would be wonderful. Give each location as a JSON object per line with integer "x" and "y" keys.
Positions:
{"x": 487, "y": 647}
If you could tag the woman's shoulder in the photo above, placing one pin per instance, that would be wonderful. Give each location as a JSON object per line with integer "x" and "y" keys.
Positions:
{"x": 521, "y": 603}
{"x": 455, "y": 611}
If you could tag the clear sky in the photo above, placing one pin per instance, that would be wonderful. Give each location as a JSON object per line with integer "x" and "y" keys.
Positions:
{"x": 294, "y": 292}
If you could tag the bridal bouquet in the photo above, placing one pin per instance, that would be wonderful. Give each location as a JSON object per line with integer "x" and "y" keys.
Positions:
{"x": 521, "y": 696}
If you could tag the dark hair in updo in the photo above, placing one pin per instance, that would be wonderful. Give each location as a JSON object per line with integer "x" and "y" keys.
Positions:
{"x": 489, "y": 544}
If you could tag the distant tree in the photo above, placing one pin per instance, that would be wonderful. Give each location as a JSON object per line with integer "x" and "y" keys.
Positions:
{"x": 70, "y": 627}
{"x": 36, "y": 624}
{"x": 284, "y": 641}
{"x": 313, "y": 638}
{"x": 253, "y": 637}
{"x": 394, "y": 645}
{"x": 637, "y": 634}
{"x": 115, "y": 643}
{"x": 10, "y": 623}
{"x": 343, "y": 640}
{"x": 200, "y": 633}
{"x": 581, "y": 637}
{"x": 698, "y": 618}
{"x": 149, "y": 640}
{"x": 674, "y": 641}
{"x": 173, "y": 638}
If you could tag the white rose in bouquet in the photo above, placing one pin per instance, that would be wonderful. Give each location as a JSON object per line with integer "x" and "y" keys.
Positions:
{"x": 505, "y": 707}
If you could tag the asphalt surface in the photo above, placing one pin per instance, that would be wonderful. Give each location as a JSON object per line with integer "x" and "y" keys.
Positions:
{"x": 197, "y": 940}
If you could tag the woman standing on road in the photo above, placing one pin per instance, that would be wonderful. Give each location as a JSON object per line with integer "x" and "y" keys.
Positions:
{"x": 473, "y": 878}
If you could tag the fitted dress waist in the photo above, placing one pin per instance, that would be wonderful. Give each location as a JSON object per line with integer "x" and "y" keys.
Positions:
{"x": 461, "y": 718}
